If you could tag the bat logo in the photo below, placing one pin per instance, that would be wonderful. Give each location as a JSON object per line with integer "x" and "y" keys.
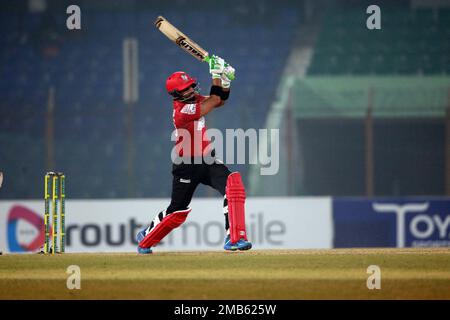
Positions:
{"x": 186, "y": 46}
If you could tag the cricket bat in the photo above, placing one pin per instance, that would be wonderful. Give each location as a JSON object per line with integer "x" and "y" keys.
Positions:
{"x": 181, "y": 40}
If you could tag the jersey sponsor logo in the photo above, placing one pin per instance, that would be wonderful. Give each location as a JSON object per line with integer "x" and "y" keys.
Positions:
{"x": 189, "y": 109}
{"x": 185, "y": 180}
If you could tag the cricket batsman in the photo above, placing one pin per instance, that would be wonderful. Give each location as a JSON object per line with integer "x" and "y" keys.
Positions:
{"x": 189, "y": 109}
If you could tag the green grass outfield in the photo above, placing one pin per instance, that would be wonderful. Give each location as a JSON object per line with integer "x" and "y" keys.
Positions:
{"x": 256, "y": 274}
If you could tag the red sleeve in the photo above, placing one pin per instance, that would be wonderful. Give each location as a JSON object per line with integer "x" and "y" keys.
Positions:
{"x": 187, "y": 113}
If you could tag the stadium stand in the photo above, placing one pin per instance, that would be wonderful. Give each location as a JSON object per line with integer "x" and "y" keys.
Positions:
{"x": 409, "y": 42}
{"x": 85, "y": 69}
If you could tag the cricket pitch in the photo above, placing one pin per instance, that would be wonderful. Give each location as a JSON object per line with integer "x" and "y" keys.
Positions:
{"x": 422, "y": 273}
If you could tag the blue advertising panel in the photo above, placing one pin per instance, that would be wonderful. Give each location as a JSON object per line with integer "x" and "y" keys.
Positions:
{"x": 405, "y": 222}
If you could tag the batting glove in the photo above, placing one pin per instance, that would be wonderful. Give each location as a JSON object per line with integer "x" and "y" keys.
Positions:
{"x": 227, "y": 76}
{"x": 216, "y": 66}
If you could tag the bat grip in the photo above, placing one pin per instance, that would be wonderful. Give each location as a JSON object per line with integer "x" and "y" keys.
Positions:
{"x": 208, "y": 58}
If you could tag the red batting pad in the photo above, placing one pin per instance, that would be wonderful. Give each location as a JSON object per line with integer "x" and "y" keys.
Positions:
{"x": 170, "y": 222}
{"x": 236, "y": 206}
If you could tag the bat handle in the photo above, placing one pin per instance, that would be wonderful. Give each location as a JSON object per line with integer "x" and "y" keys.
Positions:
{"x": 208, "y": 58}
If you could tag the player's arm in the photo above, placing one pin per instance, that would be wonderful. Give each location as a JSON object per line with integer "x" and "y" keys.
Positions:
{"x": 218, "y": 82}
{"x": 225, "y": 80}
{"x": 222, "y": 75}
{"x": 213, "y": 101}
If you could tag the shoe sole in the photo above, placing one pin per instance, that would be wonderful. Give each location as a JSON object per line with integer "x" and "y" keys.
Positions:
{"x": 142, "y": 252}
{"x": 231, "y": 249}
{"x": 246, "y": 247}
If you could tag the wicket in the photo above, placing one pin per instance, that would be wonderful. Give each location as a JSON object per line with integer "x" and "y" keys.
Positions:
{"x": 56, "y": 183}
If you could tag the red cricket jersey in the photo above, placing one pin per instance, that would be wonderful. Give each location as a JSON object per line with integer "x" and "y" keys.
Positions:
{"x": 187, "y": 116}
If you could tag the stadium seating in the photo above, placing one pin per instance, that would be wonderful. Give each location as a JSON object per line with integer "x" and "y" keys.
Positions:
{"x": 409, "y": 42}
{"x": 85, "y": 68}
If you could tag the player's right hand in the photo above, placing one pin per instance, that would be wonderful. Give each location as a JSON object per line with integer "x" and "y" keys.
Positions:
{"x": 227, "y": 76}
{"x": 216, "y": 66}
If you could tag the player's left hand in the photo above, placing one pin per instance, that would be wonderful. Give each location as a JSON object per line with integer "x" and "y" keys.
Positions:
{"x": 216, "y": 66}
